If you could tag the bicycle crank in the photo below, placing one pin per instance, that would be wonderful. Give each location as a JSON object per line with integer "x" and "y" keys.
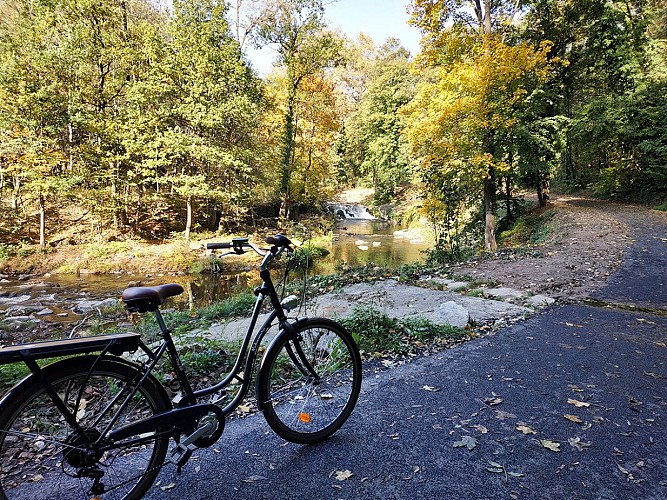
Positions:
{"x": 206, "y": 434}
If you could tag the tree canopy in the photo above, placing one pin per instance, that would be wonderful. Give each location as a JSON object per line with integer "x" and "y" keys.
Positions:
{"x": 151, "y": 121}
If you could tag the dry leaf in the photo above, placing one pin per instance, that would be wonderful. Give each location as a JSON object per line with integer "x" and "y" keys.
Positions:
{"x": 493, "y": 401}
{"x": 495, "y": 470}
{"x": 578, "y": 404}
{"x": 467, "y": 441}
{"x": 578, "y": 444}
{"x": 481, "y": 429}
{"x": 550, "y": 445}
{"x": 253, "y": 479}
{"x": 502, "y": 415}
{"x": 573, "y": 418}
{"x": 243, "y": 408}
{"x": 430, "y": 389}
{"x": 168, "y": 487}
{"x": 526, "y": 429}
{"x": 343, "y": 475}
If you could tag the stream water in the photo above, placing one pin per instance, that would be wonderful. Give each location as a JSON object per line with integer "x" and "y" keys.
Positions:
{"x": 66, "y": 298}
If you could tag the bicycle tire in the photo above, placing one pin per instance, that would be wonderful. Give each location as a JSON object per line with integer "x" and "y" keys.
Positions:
{"x": 40, "y": 454}
{"x": 296, "y": 406}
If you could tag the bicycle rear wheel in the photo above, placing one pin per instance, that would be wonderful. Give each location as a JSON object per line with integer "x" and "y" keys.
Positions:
{"x": 302, "y": 406}
{"x": 42, "y": 457}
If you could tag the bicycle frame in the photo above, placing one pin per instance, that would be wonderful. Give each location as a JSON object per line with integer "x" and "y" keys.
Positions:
{"x": 188, "y": 410}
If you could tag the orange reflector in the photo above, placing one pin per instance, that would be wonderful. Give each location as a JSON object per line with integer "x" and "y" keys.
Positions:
{"x": 304, "y": 417}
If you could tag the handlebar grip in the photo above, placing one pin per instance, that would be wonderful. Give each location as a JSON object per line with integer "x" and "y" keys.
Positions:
{"x": 279, "y": 240}
{"x": 217, "y": 246}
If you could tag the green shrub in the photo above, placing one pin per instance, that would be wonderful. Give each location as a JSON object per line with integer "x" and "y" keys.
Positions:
{"x": 379, "y": 335}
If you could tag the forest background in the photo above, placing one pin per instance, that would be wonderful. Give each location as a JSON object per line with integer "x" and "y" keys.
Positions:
{"x": 126, "y": 120}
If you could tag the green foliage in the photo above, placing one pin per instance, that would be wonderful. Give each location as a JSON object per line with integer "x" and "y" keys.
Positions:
{"x": 206, "y": 356}
{"x": 374, "y": 144}
{"x": 529, "y": 229}
{"x": 380, "y": 335}
{"x": 11, "y": 374}
{"x": 238, "y": 306}
{"x": 152, "y": 122}
{"x": 5, "y": 252}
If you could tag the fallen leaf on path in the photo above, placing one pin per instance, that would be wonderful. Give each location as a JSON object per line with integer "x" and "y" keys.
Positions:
{"x": 343, "y": 475}
{"x": 480, "y": 428}
{"x": 253, "y": 479}
{"x": 526, "y": 429}
{"x": 625, "y": 471}
{"x": 168, "y": 487}
{"x": 578, "y": 444}
{"x": 574, "y": 325}
{"x": 495, "y": 467}
{"x": 550, "y": 445}
{"x": 493, "y": 401}
{"x": 430, "y": 389}
{"x": 573, "y": 418}
{"x": 577, "y": 403}
{"x": 467, "y": 441}
{"x": 502, "y": 415}
{"x": 243, "y": 409}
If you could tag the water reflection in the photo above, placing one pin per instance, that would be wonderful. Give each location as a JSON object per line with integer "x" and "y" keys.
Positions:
{"x": 355, "y": 242}
{"x": 361, "y": 242}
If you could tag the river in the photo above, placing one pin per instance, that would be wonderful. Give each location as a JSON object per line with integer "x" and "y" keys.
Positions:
{"x": 65, "y": 298}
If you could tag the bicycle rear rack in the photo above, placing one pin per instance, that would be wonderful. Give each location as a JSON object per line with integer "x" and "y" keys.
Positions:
{"x": 116, "y": 344}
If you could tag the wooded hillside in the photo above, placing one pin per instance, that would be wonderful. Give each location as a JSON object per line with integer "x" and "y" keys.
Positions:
{"x": 150, "y": 121}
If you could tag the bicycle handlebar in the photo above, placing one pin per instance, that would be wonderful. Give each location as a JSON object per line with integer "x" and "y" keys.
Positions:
{"x": 219, "y": 246}
{"x": 279, "y": 242}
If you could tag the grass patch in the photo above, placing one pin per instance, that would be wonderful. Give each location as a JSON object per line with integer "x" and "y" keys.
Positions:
{"x": 379, "y": 335}
{"x": 530, "y": 229}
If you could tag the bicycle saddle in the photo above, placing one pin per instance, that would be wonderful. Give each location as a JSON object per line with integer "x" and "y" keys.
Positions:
{"x": 148, "y": 298}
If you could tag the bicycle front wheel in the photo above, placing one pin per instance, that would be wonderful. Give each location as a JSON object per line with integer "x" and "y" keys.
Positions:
{"x": 307, "y": 388}
{"x": 41, "y": 456}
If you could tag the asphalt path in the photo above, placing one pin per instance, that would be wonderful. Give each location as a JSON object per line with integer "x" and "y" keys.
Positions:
{"x": 570, "y": 404}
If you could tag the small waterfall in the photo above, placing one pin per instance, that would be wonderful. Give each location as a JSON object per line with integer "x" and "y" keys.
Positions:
{"x": 349, "y": 211}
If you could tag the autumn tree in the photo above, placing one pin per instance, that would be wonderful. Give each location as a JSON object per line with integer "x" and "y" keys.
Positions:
{"x": 296, "y": 28}
{"x": 477, "y": 80}
{"x": 375, "y": 145}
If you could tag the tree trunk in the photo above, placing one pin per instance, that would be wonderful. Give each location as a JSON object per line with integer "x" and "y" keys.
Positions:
{"x": 42, "y": 222}
{"x": 542, "y": 192}
{"x": 188, "y": 218}
{"x": 285, "y": 173}
{"x": 15, "y": 192}
{"x": 489, "y": 217}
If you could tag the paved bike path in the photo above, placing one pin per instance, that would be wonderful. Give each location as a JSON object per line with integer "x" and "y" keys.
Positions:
{"x": 569, "y": 404}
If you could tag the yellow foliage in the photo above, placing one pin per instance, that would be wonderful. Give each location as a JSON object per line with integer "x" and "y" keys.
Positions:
{"x": 460, "y": 110}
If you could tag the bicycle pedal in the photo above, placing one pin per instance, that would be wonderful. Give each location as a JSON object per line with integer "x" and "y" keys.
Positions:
{"x": 183, "y": 450}
{"x": 180, "y": 455}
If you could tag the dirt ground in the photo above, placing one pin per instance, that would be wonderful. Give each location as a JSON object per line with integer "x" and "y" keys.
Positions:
{"x": 585, "y": 245}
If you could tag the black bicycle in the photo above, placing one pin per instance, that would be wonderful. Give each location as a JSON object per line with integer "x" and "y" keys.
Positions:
{"x": 98, "y": 424}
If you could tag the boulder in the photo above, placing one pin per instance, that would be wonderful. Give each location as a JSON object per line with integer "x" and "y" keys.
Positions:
{"x": 453, "y": 314}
